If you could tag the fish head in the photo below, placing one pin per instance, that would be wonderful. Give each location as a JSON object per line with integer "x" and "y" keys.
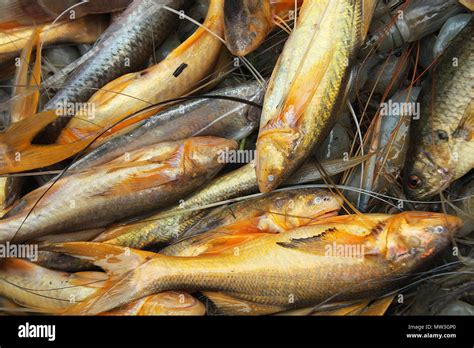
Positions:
{"x": 247, "y": 23}
{"x": 415, "y": 236}
{"x": 302, "y": 208}
{"x": 316, "y": 204}
{"x": 275, "y": 154}
{"x": 207, "y": 153}
{"x": 428, "y": 171}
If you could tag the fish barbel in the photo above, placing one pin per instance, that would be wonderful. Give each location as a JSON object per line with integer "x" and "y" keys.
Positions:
{"x": 153, "y": 177}
{"x": 307, "y": 87}
{"x": 442, "y": 142}
{"x": 293, "y": 269}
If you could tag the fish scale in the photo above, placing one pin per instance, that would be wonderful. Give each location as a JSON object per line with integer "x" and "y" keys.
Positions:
{"x": 288, "y": 269}
{"x": 445, "y": 150}
{"x": 106, "y": 194}
{"x": 307, "y": 88}
{"x": 124, "y": 47}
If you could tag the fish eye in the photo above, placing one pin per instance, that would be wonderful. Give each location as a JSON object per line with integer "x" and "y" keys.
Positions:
{"x": 414, "y": 182}
{"x": 438, "y": 229}
{"x": 442, "y": 134}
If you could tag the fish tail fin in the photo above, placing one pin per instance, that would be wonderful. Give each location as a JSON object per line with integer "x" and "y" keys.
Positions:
{"x": 119, "y": 262}
{"x": 12, "y": 269}
{"x": 113, "y": 259}
{"x": 116, "y": 292}
{"x": 17, "y": 154}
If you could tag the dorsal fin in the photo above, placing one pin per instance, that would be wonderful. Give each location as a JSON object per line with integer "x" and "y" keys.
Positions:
{"x": 329, "y": 242}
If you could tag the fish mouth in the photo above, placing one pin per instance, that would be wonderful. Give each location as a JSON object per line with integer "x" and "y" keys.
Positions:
{"x": 327, "y": 214}
{"x": 432, "y": 230}
{"x": 333, "y": 210}
{"x": 274, "y": 147}
{"x": 245, "y": 35}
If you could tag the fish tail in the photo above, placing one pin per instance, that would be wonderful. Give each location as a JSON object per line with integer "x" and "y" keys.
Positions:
{"x": 114, "y": 259}
{"x": 13, "y": 270}
{"x": 118, "y": 262}
{"x": 117, "y": 291}
{"x": 17, "y": 154}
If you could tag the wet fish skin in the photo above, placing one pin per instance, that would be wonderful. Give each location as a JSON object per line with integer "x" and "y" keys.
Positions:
{"x": 192, "y": 118}
{"x": 124, "y": 47}
{"x": 64, "y": 263}
{"x": 43, "y": 289}
{"x": 131, "y": 93}
{"x": 443, "y": 148}
{"x": 273, "y": 213}
{"x": 247, "y": 23}
{"x": 83, "y": 30}
{"x": 19, "y": 13}
{"x": 160, "y": 228}
{"x": 154, "y": 177}
{"x": 10, "y": 192}
{"x": 169, "y": 224}
{"x": 296, "y": 207}
{"x": 271, "y": 268}
{"x": 165, "y": 303}
{"x": 306, "y": 88}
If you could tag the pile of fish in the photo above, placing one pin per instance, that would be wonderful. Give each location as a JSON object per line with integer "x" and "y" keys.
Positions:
{"x": 238, "y": 157}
